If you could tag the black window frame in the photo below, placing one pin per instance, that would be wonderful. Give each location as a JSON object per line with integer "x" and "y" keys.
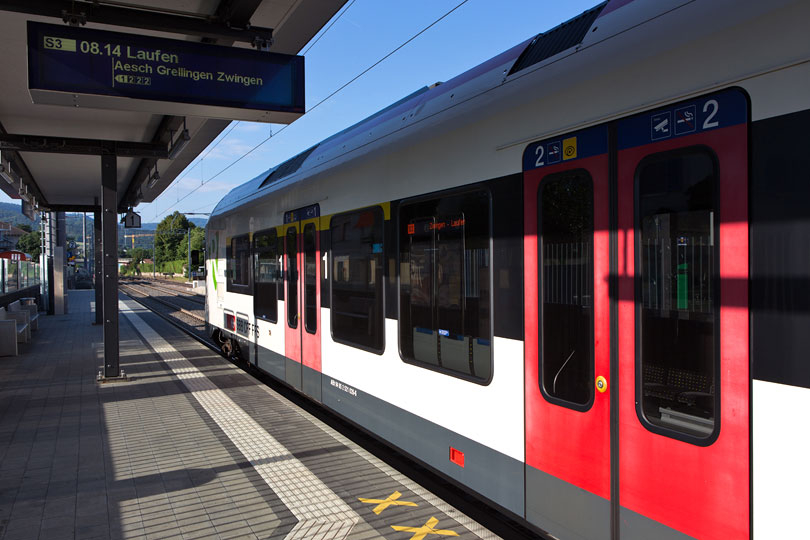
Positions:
{"x": 379, "y": 286}
{"x": 258, "y": 307}
{"x": 310, "y": 308}
{"x": 291, "y": 279}
{"x": 230, "y": 285}
{"x": 715, "y": 301}
{"x": 586, "y": 406}
{"x": 436, "y": 196}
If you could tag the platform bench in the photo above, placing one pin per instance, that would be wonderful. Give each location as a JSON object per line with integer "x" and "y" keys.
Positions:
{"x": 30, "y": 307}
{"x": 14, "y": 328}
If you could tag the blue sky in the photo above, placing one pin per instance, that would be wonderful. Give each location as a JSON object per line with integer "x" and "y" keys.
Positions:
{"x": 364, "y": 31}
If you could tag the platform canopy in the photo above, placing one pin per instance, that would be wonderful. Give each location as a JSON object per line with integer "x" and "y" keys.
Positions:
{"x": 52, "y": 149}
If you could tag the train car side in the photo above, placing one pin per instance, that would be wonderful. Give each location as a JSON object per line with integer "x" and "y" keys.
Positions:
{"x": 410, "y": 274}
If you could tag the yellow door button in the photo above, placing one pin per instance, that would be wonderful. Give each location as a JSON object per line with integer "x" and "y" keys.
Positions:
{"x": 601, "y": 383}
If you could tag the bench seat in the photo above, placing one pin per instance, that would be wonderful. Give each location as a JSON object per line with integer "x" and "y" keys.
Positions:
{"x": 8, "y": 338}
{"x": 22, "y": 318}
{"x": 32, "y": 309}
{"x": 15, "y": 329}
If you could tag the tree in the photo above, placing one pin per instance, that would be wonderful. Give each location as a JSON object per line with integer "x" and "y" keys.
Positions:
{"x": 24, "y": 226}
{"x": 197, "y": 242}
{"x": 169, "y": 236}
{"x": 29, "y": 243}
{"x": 139, "y": 254}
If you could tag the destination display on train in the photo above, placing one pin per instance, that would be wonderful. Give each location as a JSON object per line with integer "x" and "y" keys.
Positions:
{"x": 96, "y": 62}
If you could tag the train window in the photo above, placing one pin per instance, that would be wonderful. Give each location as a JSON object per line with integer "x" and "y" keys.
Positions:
{"x": 238, "y": 264}
{"x": 677, "y": 294}
{"x": 445, "y": 294}
{"x": 268, "y": 275}
{"x": 291, "y": 248}
{"x": 565, "y": 225}
{"x": 310, "y": 279}
{"x": 357, "y": 279}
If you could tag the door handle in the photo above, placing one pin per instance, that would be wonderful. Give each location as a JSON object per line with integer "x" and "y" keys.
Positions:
{"x": 601, "y": 384}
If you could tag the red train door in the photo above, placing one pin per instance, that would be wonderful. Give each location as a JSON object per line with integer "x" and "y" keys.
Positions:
{"x": 302, "y": 335}
{"x": 683, "y": 320}
{"x": 567, "y": 334}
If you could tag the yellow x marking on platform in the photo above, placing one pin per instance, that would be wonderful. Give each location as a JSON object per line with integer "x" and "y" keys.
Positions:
{"x": 419, "y": 533}
{"x": 391, "y": 500}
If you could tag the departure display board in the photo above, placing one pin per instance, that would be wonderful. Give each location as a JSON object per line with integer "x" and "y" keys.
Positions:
{"x": 94, "y": 62}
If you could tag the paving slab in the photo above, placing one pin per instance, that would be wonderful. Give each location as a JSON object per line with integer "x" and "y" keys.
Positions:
{"x": 189, "y": 447}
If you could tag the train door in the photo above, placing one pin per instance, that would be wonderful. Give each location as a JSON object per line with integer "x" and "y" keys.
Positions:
{"x": 683, "y": 359}
{"x": 303, "y": 300}
{"x": 268, "y": 250}
{"x": 567, "y": 335}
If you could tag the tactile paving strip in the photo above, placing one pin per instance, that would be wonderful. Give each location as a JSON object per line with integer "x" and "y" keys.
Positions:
{"x": 292, "y": 482}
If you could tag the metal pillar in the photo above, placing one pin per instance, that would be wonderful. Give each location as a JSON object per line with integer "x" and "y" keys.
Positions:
{"x": 60, "y": 304}
{"x": 109, "y": 279}
{"x": 43, "y": 264}
{"x": 97, "y": 266}
{"x": 84, "y": 241}
{"x": 48, "y": 272}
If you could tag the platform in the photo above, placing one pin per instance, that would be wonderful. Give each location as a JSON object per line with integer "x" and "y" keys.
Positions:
{"x": 189, "y": 447}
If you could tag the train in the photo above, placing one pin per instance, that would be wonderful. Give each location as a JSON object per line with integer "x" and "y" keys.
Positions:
{"x": 573, "y": 280}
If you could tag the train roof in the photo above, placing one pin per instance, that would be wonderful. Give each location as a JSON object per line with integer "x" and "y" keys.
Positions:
{"x": 543, "y": 46}
{"x": 611, "y": 17}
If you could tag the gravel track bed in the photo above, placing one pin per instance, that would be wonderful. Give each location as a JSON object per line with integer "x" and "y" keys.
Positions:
{"x": 167, "y": 287}
{"x": 188, "y": 323}
{"x": 181, "y": 299}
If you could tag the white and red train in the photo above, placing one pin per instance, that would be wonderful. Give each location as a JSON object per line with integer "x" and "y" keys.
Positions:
{"x": 575, "y": 280}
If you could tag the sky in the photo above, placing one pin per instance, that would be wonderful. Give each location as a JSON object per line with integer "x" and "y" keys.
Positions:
{"x": 357, "y": 37}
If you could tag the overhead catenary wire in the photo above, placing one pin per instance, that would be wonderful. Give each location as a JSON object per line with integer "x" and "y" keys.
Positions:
{"x": 211, "y": 149}
{"x": 325, "y": 30}
{"x": 192, "y": 166}
{"x": 321, "y": 102}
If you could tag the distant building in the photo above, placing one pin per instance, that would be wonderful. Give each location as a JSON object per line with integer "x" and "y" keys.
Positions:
{"x": 9, "y": 236}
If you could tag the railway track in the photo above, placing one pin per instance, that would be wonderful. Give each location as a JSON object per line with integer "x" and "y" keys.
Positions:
{"x": 167, "y": 287}
{"x": 191, "y": 321}
{"x": 183, "y": 300}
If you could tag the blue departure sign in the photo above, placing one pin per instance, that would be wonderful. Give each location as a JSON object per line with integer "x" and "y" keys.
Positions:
{"x": 94, "y": 62}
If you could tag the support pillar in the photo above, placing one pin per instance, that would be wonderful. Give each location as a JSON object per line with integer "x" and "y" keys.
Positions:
{"x": 97, "y": 265}
{"x": 109, "y": 280}
{"x": 60, "y": 304}
{"x": 50, "y": 240}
